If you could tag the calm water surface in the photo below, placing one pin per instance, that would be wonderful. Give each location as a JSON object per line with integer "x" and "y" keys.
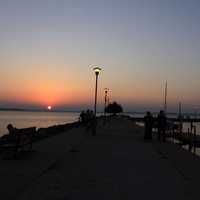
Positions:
{"x": 39, "y": 119}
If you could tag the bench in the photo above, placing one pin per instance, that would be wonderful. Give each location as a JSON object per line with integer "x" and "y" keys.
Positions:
{"x": 17, "y": 141}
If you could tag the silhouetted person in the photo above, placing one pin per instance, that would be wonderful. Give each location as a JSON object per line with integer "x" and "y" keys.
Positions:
{"x": 11, "y": 129}
{"x": 148, "y": 121}
{"x": 90, "y": 121}
{"x": 93, "y": 122}
{"x": 162, "y": 122}
{"x": 82, "y": 117}
{"x": 87, "y": 119}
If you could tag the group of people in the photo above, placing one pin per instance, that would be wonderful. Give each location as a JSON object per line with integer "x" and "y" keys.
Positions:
{"x": 160, "y": 122}
{"x": 86, "y": 116}
{"x": 88, "y": 119}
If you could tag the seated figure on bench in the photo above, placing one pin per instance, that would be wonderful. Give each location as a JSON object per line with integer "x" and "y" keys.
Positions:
{"x": 12, "y": 130}
{"x": 17, "y": 139}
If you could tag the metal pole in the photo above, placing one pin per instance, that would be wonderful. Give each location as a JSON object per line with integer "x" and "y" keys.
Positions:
{"x": 165, "y": 104}
{"x": 194, "y": 141}
{"x": 180, "y": 117}
{"x": 106, "y": 93}
{"x": 95, "y": 102}
{"x": 105, "y": 105}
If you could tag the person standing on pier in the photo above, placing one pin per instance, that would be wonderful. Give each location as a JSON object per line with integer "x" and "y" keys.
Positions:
{"x": 162, "y": 121}
{"x": 148, "y": 120}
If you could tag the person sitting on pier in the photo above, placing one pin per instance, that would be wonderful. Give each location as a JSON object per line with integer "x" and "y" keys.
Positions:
{"x": 148, "y": 120}
{"x": 162, "y": 121}
{"x": 11, "y": 129}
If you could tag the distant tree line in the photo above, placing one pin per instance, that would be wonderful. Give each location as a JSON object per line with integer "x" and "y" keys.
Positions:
{"x": 114, "y": 108}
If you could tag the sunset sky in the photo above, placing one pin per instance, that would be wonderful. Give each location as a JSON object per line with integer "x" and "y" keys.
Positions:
{"x": 49, "y": 47}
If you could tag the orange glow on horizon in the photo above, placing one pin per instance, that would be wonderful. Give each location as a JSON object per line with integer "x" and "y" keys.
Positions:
{"x": 74, "y": 90}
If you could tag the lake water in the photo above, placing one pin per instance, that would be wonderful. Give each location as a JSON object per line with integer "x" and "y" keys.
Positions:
{"x": 39, "y": 119}
{"x": 44, "y": 119}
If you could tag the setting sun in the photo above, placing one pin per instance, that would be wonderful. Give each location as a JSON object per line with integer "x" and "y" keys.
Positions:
{"x": 49, "y": 107}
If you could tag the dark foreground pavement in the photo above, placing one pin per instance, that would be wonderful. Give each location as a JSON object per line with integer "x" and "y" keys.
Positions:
{"x": 114, "y": 164}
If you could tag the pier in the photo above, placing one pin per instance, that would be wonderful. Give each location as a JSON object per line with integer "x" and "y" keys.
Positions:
{"x": 115, "y": 164}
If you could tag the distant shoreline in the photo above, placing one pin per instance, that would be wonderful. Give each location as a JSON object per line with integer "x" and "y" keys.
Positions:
{"x": 78, "y": 111}
{"x": 35, "y": 110}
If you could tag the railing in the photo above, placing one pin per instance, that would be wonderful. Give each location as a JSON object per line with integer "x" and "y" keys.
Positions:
{"x": 189, "y": 138}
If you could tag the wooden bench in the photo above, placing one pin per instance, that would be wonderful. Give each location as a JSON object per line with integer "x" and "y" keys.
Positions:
{"x": 17, "y": 141}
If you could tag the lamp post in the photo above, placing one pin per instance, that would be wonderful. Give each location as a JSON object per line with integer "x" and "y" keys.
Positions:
{"x": 97, "y": 71}
{"x": 106, "y": 98}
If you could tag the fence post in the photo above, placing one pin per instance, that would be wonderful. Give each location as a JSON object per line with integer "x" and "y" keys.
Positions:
{"x": 189, "y": 135}
{"x": 194, "y": 140}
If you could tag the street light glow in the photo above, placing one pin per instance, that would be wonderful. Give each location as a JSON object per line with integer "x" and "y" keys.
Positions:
{"x": 97, "y": 70}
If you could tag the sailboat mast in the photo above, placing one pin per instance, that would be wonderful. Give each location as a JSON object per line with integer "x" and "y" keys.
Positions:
{"x": 165, "y": 105}
{"x": 180, "y": 109}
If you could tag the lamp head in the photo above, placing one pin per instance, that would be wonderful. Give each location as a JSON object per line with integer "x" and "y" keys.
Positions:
{"x": 97, "y": 70}
{"x": 106, "y": 90}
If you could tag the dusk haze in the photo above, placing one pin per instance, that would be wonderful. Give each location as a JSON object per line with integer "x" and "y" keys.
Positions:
{"x": 48, "y": 49}
{"x": 99, "y": 99}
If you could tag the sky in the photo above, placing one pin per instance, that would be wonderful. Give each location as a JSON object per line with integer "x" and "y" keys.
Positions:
{"x": 48, "y": 49}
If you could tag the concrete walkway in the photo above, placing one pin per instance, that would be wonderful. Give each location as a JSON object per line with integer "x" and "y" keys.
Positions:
{"x": 114, "y": 164}
{"x": 16, "y": 176}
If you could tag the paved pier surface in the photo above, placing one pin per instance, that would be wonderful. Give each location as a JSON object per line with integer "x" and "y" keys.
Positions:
{"x": 114, "y": 164}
